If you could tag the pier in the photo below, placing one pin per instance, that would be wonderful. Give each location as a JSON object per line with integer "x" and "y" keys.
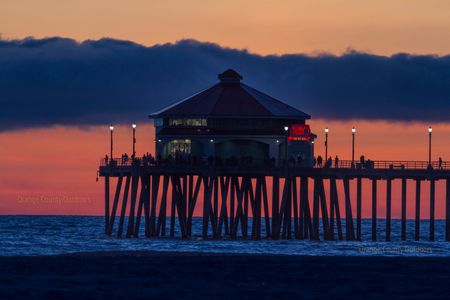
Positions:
{"x": 244, "y": 161}
{"x": 275, "y": 199}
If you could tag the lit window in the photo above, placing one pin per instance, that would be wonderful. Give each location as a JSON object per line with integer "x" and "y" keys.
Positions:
{"x": 187, "y": 122}
{"x": 180, "y": 147}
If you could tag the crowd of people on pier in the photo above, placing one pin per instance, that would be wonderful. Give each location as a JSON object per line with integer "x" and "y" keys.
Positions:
{"x": 193, "y": 160}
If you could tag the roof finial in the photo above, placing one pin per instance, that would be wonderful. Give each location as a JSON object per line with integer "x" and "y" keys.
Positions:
{"x": 230, "y": 76}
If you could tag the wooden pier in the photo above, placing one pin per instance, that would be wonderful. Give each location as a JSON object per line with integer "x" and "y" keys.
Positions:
{"x": 163, "y": 198}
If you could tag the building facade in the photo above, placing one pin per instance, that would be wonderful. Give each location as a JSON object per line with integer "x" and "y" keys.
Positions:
{"x": 233, "y": 120}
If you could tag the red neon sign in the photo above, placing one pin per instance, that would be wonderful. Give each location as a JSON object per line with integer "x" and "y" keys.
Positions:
{"x": 300, "y": 132}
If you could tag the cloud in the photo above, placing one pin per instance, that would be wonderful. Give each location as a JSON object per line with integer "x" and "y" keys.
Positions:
{"x": 51, "y": 81}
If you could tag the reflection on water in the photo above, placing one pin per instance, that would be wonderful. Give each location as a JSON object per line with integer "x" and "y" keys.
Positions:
{"x": 44, "y": 235}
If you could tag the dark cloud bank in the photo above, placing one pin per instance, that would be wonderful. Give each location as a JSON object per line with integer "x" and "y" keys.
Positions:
{"x": 60, "y": 81}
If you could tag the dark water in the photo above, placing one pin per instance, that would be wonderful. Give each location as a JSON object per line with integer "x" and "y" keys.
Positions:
{"x": 45, "y": 235}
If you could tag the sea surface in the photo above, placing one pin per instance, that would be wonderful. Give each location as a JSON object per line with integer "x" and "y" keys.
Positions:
{"x": 50, "y": 235}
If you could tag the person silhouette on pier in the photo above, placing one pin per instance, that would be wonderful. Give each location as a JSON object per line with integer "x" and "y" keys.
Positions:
{"x": 440, "y": 163}
{"x": 362, "y": 161}
{"x": 319, "y": 161}
{"x": 336, "y": 162}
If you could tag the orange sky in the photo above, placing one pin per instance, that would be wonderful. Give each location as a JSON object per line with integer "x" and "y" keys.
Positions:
{"x": 58, "y": 165}
{"x": 289, "y": 26}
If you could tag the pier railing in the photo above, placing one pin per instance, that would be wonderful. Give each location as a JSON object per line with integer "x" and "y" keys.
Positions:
{"x": 345, "y": 164}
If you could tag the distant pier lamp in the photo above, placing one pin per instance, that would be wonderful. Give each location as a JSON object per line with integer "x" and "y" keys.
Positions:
{"x": 111, "y": 129}
{"x": 286, "y": 131}
{"x": 430, "y": 131}
{"x": 134, "y": 140}
{"x": 326, "y": 143}
{"x": 353, "y": 146}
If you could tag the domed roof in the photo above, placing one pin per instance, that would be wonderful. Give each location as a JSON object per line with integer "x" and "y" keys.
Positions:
{"x": 230, "y": 98}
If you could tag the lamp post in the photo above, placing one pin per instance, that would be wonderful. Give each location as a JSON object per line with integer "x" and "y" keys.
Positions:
{"x": 111, "y": 129}
{"x": 353, "y": 146}
{"x": 430, "y": 130}
{"x": 134, "y": 140}
{"x": 286, "y": 131}
{"x": 326, "y": 143}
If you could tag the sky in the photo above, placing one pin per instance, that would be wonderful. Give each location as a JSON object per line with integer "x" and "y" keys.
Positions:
{"x": 262, "y": 26}
{"x": 70, "y": 68}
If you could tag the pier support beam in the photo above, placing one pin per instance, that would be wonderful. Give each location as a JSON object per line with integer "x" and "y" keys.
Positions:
{"x": 275, "y": 205}
{"x": 374, "y": 209}
{"x": 447, "y": 210}
{"x": 124, "y": 206}
{"x": 106, "y": 204}
{"x": 432, "y": 196}
{"x": 417, "y": 224}
{"x": 305, "y": 212}
{"x": 349, "y": 229}
{"x": 358, "y": 207}
{"x": 403, "y": 234}
{"x": 388, "y": 208}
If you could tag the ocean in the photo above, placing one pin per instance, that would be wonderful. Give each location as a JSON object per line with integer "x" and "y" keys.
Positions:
{"x": 51, "y": 235}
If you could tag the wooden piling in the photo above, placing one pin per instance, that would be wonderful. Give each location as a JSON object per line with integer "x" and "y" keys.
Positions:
{"x": 275, "y": 205}
{"x": 141, "y": 200}
{"x": 114, "y": 208}
{"x": 154, "y": 199}
{"x": 315, "y": 235}
{"x": 223, "y": 220}
{"x": 358, "y": 207}
{"x": 447, "y": 210}
{"x": 432, "y": 208}
{"x": 334, "y": 209}
{"x": 134, "y": 189}
{"x": 388, "y": 208}
{"x": 305, "y": 226}
{"x": 107, "y": 204}
{"x": 161, "y": 226}
{"x": 349, "y": 229}
{"x": 266, "y": 207}
{"x": 324, "y": 211}
{"x": 374, "y": 209}
{"x": 124, "y": 207}
{"x": 172, "y": 210}
{"x": 147, "y": 205}
{"x": 295, "y": 207}
{"x": 403, "y": 225}
{"x": 417, "y": 224}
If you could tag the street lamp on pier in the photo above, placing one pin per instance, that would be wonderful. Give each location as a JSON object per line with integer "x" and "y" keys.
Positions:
{"x": 326, "y": 143}
{"x": 111, "y": 129}
{"x": 353, "y": 146}
{"x": 286, "y": 131}
{"x": 134, "y": 140}
{"x": 430, "y": 130}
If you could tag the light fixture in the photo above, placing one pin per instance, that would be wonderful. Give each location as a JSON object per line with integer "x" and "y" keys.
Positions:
{"x": 430, "y": 130}
{"x": 133, "y": 125}
{"x": 159, "y": 141}
{"x": 286, "y": 128}
{"x": 326, "y": 129}
{"x": 353, "y": 129}
{"x": 111, "y": 127}
{"x": 278, "y": 141}
{"x": 211, "y": 140}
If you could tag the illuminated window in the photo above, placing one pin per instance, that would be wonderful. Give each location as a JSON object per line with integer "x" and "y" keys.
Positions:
{"x": 180, "y": 146}
{"x": 187, "y": 122}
